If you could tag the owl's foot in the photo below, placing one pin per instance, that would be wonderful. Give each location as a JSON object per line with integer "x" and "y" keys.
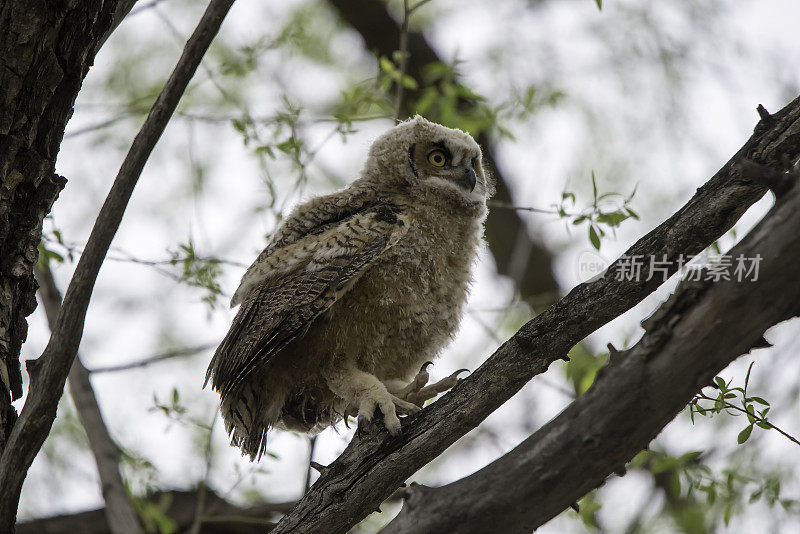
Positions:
{"x": 417, "y": 392}
{"x": 364, "y": 394}
{"x": 390, "y": 406}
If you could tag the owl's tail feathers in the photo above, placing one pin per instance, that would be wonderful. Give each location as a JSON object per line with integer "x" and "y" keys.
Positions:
{"x": 246, "y": 421}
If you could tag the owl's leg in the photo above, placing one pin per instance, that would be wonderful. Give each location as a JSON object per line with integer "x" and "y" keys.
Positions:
{"x": 417, "y": 392}
{"x": 364, "y": 392}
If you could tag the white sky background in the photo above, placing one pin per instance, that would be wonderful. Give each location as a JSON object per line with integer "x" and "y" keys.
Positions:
{"x": 672, "y": 136}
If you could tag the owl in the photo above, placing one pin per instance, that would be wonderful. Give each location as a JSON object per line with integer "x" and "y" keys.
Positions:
{"x": 356, "y": 291}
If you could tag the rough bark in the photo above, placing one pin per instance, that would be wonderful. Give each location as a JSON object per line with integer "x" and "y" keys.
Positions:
{"x": 120, "y": 513}
{"x": 46, "y": 50}
{"x": 701, "y": 329}
{"x": 48, "y": 373}
{"x": 375, "y": 464}
{"x": 221, "y": 517}
{"x": 515, "y": 253}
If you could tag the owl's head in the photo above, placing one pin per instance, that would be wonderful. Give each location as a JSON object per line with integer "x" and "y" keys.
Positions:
{"x": 432, "y": 158}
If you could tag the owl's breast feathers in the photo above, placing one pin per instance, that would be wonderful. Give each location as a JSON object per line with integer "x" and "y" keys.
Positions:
{"x": 300, "y": 275}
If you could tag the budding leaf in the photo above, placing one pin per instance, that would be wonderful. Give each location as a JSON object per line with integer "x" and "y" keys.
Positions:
{"x": 744, "y": 434}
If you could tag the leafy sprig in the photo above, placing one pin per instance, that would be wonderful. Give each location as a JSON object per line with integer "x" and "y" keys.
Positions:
{"x": 736, "y": 401}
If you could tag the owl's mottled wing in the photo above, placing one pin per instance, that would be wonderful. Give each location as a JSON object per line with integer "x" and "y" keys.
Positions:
{"x": 274, "y": 314}
{"x": 297, "y": 236}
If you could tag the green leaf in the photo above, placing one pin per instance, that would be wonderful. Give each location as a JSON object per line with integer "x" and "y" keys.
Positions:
{"x": 54, "y": 256}
{"x": 410, "y": 83}
{"x": 599, "y": 4}
{"x": 750, "y": 417}
{"x": 594, "y": 238}
{"x": 689, "y": 456}
{"x": 387, "y": 66}
{"x": 266, "y": 150}
{"x": 759, "y": 400}
{"x": 720, "y": 383}
{"x": 747, "y": 377}
{"x": 287, "y": 146}
{"x": 711, "y": 493}
{"x": 744, "y": 434}
{"x": 613, "y": 218}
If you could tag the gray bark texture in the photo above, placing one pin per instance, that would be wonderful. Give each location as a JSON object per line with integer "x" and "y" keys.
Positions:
{"x": 702, "y": 328}
{"x": 516, "y": 254}
{"x": 375, "y": 464}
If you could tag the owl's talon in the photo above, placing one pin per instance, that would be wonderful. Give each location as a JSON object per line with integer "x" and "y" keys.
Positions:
{"x": 390, "y": 406}
{"x": 421, "y": 395}
{"x": 404, "y": 407}
{"x": 418, "y": 383}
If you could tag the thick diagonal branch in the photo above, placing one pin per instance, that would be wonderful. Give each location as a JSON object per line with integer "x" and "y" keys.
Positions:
{"x": 701, "y": 329}
{"x": 374, "y": 464}
{"x": 515, "y": 253}
{"x": 49, "y": 373}
{"x": 119, "y": 511}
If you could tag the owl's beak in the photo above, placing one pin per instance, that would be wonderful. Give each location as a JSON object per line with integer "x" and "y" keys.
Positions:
{"x": 468, "y": 179}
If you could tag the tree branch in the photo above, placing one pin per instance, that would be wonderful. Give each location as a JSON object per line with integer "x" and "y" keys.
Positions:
{"x": 375, "y": 464}
{"x": 178, "y": 353}
{"x": 180, "y": 506}
{"x": 120, "y": 514}
{"x": 515, "y": 253}
{"x": 636, "y": 395}
{"x": 48, "y": 373}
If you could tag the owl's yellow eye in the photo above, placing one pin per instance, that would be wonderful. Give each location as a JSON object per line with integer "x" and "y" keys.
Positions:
{"x": 437, "y": 158}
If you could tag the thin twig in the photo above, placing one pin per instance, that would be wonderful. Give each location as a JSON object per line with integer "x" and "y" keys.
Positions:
{"x": 497, "y": 204}
{"x": 729, "y": 406}
{"x": 403, "y": 61}
{"x": 100, "y": 125}
{"x": 312, "y": 444}
{"x": 189, "y": 351}
{"x": 48, "y": 374}
{"x": 202, "y": 490}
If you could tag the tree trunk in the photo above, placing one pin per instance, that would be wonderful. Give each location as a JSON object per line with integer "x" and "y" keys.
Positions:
{"x": 46, "y": 49}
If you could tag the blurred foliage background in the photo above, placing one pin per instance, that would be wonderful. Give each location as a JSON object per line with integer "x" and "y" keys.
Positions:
{"x": 597, "y": 123}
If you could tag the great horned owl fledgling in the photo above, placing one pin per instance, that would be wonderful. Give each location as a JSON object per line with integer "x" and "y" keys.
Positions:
{"x": 356, "y": 291}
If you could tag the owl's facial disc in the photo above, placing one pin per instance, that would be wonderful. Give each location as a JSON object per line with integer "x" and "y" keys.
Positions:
{"x": 431, "y": 161}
